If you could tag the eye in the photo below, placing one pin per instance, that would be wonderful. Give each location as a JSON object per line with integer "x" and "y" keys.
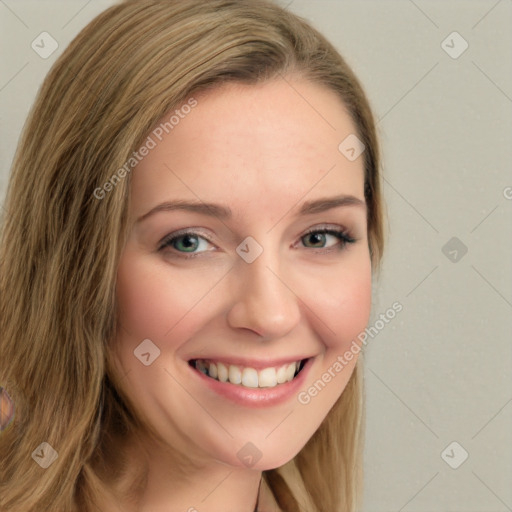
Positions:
{"x": 191, "y": 244}
{"x": 186, "y": 242}
{"x": 320, "y": 238}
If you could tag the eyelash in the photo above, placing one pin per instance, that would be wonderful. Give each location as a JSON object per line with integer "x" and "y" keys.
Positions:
{"x": 341, "y": 234}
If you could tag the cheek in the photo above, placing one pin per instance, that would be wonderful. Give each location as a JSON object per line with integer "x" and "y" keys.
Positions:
{"x": 151, "y": 302}
{"x": 341, "y": 303}
{"x": 342, "y": 310}
{"x": 351, "y": 311}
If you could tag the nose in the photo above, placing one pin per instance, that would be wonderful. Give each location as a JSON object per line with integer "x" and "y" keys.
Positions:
{"x": 265, "y": 301}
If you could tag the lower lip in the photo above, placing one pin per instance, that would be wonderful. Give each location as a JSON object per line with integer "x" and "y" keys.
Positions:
{"x": 256, "y": 397}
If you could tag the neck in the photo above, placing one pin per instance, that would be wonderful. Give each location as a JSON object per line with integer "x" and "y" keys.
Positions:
{"x": 221, "y": 490}
{"x": 174, "y": 483}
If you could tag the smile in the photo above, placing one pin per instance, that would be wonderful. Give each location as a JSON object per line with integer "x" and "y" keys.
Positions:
{"x": 246, "y": 376}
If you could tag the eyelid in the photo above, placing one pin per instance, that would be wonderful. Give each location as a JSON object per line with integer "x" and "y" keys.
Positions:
{"x": 334, "y": 227}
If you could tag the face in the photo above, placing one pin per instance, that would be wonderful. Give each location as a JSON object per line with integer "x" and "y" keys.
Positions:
{"x": 234, "y": 317}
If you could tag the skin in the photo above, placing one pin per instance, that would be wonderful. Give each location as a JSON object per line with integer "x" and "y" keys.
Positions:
{"x": 261, "y": 150}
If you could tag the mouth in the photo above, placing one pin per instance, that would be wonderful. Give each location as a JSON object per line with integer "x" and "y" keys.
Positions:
{"x": 247, "y": 376}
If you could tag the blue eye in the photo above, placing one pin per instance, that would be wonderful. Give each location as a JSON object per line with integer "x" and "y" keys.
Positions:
{"x": 186, "y": 242}
{"x": 191, "y": 244}
{"x": 319, "y": 237}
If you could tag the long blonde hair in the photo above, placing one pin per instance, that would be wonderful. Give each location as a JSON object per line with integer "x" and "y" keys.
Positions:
{"x": 60, "y": 245}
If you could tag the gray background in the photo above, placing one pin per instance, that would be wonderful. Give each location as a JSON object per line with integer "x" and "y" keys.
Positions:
{"x": 441, "y": 370}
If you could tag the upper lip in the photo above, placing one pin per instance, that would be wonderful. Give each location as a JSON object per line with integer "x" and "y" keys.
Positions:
{"x": 252, "y": 363}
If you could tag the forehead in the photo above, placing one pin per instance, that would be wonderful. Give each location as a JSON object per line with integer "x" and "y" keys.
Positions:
{"x": 263, "y": 145}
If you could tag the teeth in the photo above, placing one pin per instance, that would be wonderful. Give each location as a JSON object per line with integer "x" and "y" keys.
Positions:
{"x": 267, "y": 378}
{"x": 290, "y": 371}
{"x": 248, "y": 377}
{"x": 212, "y": 370}
{"x": 234, "y": 375}
{"x": 281, "y": 375}
{"x": 222, "y": 372}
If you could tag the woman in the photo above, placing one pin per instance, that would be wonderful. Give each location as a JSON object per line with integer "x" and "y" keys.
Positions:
{"x": 193, "y": 221}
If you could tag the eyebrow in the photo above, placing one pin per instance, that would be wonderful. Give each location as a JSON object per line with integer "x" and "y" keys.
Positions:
{"x": 224, "y": 212}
